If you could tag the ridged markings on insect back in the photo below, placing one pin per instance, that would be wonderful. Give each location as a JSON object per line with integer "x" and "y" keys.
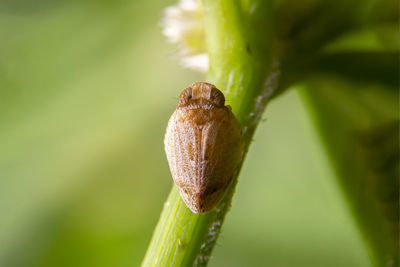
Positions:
{"x": 203, "y": 143}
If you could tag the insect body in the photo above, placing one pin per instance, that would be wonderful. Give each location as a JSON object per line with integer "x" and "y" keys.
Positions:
{"x": 203, "y": 143}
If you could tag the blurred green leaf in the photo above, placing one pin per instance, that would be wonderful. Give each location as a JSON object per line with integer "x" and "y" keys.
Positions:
{"x": 359, "y": 123}
{"x": 375, "y": 68}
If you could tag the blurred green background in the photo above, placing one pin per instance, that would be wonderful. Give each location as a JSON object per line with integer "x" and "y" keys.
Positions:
{"x": 86, "y": 90}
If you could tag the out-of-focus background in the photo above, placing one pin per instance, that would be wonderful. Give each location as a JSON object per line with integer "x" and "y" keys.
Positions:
{"x": 86, "y": 89}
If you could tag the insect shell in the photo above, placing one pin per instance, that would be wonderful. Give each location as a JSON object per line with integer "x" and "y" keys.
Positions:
{"x": 203, "y": 143}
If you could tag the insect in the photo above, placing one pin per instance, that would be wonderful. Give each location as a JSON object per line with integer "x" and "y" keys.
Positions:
{"x": 203, "y": 143}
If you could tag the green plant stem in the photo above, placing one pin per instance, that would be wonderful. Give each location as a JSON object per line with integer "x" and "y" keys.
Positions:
{"x": 241, "y": 65}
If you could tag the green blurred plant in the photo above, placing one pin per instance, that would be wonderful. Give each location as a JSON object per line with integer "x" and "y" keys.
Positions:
{"x": 343, "y": 57}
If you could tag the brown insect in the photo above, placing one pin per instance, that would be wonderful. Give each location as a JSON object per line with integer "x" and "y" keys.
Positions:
{"x": 203, "y": 144}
